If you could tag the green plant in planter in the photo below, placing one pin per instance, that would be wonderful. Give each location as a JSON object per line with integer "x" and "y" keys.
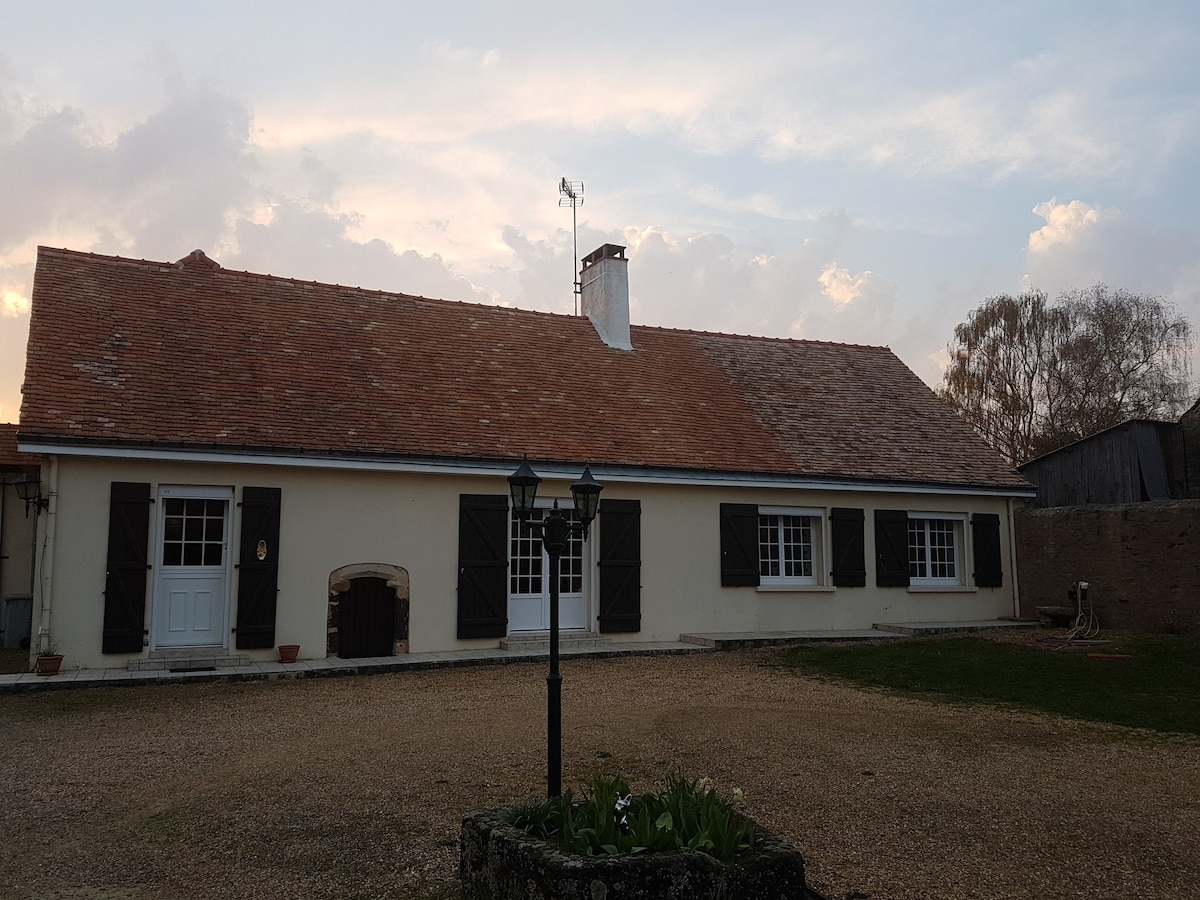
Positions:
{"x": 611, "y": 820}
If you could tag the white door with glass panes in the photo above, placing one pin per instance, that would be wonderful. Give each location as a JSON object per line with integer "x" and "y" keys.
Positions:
{"x": 192, "y": 565}
{"x": 529, "y": 583}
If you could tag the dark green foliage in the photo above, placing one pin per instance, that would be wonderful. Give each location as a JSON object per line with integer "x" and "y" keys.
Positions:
{"x": 609, "y": 819}
{"x": 1158, "y": 687}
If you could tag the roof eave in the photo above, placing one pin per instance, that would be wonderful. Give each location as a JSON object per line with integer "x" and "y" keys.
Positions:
{"x": 474, "y": 464}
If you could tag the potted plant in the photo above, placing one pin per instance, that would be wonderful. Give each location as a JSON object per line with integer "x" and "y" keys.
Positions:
{"x": 288, "y": 652}
{"x": 48, "y": 660}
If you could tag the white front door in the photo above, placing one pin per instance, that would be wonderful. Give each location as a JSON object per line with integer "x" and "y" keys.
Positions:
{"x": 529, "y": 584}
{"x": 192, "y": 565}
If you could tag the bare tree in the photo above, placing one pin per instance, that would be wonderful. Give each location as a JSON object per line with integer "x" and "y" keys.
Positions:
{"x": 1032, "y": 376}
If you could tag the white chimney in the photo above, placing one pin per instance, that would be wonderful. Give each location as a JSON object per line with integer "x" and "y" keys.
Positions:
{"x": 604, "y": 294}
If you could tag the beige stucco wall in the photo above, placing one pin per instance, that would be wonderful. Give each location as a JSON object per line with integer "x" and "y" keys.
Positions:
{"x": 329, "y": 519}
{"x": 335, "y": 518}
{"x": 681, "y": 568}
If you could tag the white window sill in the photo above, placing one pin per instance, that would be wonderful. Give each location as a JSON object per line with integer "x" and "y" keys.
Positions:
{"x": 795, "y": 588}
{"x": 941, "y": 589}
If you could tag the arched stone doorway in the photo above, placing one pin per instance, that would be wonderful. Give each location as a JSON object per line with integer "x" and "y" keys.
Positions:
{"x": 368, "y": 611}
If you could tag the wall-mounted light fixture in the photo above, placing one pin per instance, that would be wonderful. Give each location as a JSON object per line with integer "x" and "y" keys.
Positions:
{"x": 30, "y": 490}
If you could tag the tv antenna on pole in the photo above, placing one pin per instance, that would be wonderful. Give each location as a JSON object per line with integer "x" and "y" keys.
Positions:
{"x": 570, "y": 193}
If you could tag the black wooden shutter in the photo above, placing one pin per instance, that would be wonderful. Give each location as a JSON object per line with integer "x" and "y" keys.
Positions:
{"x": 849, "y": 554}
{"x": 891, "y": 548}
{"x": 125, "y": 580}
{"x": 620, "y": 566}
{"x": 258, "y": 579}
{"x": 739, "y": 544}
{"x": 482, "y": 565}
{"x": 985, "y": 532}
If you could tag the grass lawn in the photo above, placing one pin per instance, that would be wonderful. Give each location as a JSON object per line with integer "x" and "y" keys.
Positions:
{"x": 1158, "y": 687}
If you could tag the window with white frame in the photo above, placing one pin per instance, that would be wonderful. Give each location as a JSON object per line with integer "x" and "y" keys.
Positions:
{"x": 789, "y": 546}
{"x": 935, "y": 549}
{"x": 528, "y": 561}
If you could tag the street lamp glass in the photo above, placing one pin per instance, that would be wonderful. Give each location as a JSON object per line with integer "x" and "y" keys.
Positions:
{"x": 27, "y": 490}
{"x": 522, "y": 486}
{"x": 586, "y": 494}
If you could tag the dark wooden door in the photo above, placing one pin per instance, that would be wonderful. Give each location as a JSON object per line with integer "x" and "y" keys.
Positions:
{"x": 367, "y": 619}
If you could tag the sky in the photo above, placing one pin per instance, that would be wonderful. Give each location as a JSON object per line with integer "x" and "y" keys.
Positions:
{"x": 861, "y": 172}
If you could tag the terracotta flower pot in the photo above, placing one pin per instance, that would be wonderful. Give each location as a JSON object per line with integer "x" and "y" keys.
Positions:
{"x": 49, "y": 665}
{"x": 287, "y": 652}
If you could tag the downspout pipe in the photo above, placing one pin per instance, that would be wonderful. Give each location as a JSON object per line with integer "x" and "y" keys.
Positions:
{"x": 43, "y": 564}
{"x": 1012, "y": 553}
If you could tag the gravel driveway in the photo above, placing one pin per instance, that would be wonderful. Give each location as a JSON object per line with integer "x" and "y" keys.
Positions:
{"x": 354, "y": 787}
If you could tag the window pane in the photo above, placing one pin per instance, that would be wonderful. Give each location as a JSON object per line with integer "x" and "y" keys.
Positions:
{"x": 768, "y": 545}
{"x": 525, "y": 557}
{"x": 796, "y": 546}
{"x": 941, "y": 548}
{"x": 932, "y": 549}
{"x": 193, "y": 531}
{"x": 917, "y": 564}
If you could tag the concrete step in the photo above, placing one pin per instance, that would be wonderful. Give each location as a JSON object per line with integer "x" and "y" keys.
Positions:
{"x": 748, "y": 640}
{"x": 189, "y": 659}
{"x": 539, "y": 641}
{"x": 929, "y": 629}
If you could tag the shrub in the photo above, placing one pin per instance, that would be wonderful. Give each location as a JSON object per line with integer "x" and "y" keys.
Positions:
{"x": 611, "y": 820}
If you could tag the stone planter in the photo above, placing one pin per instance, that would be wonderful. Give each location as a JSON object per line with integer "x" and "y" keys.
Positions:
{"x": 501, "y": 862}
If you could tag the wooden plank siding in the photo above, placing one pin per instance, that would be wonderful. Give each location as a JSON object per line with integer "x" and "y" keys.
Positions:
{"x": 1136, "y": 461}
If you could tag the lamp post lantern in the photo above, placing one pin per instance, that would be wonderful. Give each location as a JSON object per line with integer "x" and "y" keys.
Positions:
{"x": 556, "y": 533}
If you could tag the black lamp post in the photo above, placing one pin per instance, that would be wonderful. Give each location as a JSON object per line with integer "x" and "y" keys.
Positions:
{"x": 556, "y": 532}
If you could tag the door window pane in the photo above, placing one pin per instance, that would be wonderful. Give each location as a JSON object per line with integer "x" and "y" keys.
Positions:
{"x": 528, "y": 558}
{"x": 193, "y": 532}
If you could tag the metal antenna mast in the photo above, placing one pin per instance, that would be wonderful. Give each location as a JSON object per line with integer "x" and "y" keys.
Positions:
{"x": 570, "y": 193}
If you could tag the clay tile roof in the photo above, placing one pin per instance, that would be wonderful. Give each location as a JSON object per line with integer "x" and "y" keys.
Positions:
{"x": 9, "y": 456}
{"x": 136, "y": 352}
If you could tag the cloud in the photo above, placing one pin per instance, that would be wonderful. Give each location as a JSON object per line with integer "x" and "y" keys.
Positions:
{"x": 303, "y": 241}
{"x": 1066, "y": 223}
{"x": 1082, "y": 244}
{"x": 13, "y": 301}
{"x": 840, "y": 286}
{"x": 788, "y": 96}
{"x": 170, "y": 180}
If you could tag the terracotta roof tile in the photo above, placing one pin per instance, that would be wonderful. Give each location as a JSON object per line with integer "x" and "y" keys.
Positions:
{"x": 134, "y": 351}
{"x": 10, "y": 457}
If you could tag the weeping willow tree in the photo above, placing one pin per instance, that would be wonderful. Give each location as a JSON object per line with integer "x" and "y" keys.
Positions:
{"x": 1032, "y": 375}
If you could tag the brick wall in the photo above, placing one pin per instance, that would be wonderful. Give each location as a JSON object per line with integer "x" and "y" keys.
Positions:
{"x": 1141, "y": 559}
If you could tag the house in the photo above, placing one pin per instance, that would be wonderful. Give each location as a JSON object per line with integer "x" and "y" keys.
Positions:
{"x": 16, "y": 541}
{"x": 1136, "y": 461}
{"x": 236, "y": 461}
